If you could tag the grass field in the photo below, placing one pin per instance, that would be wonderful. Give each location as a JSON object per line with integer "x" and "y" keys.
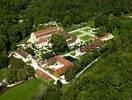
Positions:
{"x": 86, "y": 29}
{"x": 2, "y": 73}
{"x": 22, "y": 92}
{"x": 77, "y": 33}
{"x": 85, "y": 37}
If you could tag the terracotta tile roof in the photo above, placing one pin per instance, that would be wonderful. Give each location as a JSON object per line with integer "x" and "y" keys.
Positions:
{"x": 22, "y": 53}
{"x": 51, "y": 60}
{"x": 42, "y": 75}
{"x": 43, "y": 62}
{"x": 42, "y": 40}
{"x": 67, "y": 64}
{"x": 93, "y": 45}
{"x": 46, "y": 31}
{"x": 45, "y": 34}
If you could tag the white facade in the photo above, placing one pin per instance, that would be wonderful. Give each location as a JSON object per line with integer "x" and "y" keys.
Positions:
{"x": 107, "y": 37}
{"x": 56, "y": 66}
{"x": 17, "y": 55}
{"x": 79, "y": 53}
{"x": 77, "y": 42}
{"x": 32, "y": 38}
{"x": 33, "y": 63}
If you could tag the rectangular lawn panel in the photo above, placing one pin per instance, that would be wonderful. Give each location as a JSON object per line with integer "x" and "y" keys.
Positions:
{"x": 85, "y": 37}
{"x": 24, "y": 91}
{"x": 77, "y": 33}
{"x": 86, "y": 29}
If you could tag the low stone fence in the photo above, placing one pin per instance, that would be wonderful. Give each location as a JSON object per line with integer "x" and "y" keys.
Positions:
{"x": 17, "y": 83}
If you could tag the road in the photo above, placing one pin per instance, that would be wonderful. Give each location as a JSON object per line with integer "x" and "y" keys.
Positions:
{"x": 80, "y": 73}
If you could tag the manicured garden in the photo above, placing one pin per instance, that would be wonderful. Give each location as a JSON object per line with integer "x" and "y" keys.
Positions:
{"x": 83, "y": 33}
{"x": 85, "y": 37}
{"x": 24, "y": 91}
{"x": 86, "y": 29}
{"x": 77, "y": 33}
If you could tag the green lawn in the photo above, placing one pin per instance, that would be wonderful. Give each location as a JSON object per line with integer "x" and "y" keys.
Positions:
{"x": 2, "y": 73}
{"x": 22, "y": 92}
{"x": 86, "y": 29}
{"x": 85, "y": 37}
{"x": 77, "y": 33}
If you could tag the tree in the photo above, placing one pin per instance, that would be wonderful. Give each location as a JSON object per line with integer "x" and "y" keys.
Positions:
{"x": 3, "y": 42}
{"x": 49, "y": 92}
{"x": 66, "y": 20}
{"x": 47, "y": 55}
{"x": 30, "y": 51}
{"x": 3, "y": 61}
{"x": 59, "y": 84}
{"x": 18, "y": 71}
{"x": 113, "y": 24}
{"x": 101, "y": 20}
{"x": 59, "y": 44}
{"x": 101, "y": 31}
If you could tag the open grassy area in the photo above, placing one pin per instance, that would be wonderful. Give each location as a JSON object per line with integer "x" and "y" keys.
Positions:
{"x": 77, "y": 33}
{"x": 2, "y": 73}
{"x": 86, "y": 29}
{"x": 22, "y": 92}
{"x": 85, "y": 37}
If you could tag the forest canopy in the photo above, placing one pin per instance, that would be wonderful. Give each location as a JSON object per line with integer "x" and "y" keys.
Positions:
{"x": 21, "y": 15}
{"x": 109, "y": 79}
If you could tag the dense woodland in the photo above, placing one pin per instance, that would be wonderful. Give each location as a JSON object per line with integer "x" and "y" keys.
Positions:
{"x": 19, "y": 17}
{"x": 108, "y": 79}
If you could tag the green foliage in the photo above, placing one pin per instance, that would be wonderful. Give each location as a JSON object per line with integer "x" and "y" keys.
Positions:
{"x": 23, "y": 91}
{"x": 74, "y": 12}
{"x": 59, "y": 44}
{"x": 81, "y": 64}
{"x": 30, "y": 51}
{"x": 48, "y": 92}
{"x": 18, "y": 71}
{"x": 66, "y": 20}
{"x": 47, "y": 55}
{"x": 109, "y": 78}
{"x": 2, "y": 73}
{"x": 10, "y": 28}
{"x": 101, "y": 20}
{"x": 3, "y": 42}
{"x": 19, "y": 16}
{"x": 59, "y": 84}
{"x": 3, "y": 61}
{"x": 113, "y": 24}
